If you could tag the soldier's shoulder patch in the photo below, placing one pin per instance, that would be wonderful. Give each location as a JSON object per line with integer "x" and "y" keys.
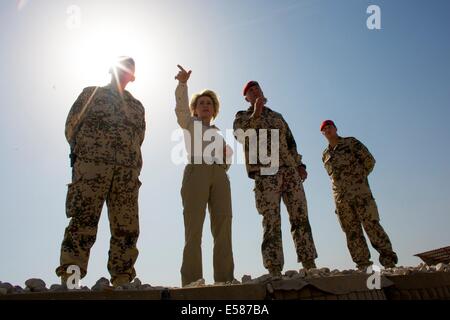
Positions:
{"x": 240, "y": 113}
{"x": 273, "y": 111}
{"x": 353, "y": 140}
{"x": 88, "y": 92}
{"x": 277, "y": 114}
{"x": 90, "y": 89}
{"x": 350, "y": 139}
{"x": 139, "y": 105}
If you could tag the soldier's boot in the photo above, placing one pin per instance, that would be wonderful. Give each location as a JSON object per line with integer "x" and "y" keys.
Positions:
{"x": 309, "y": 264}
{"x": 64, "y": 279}
{"x": 121, "y": 281}
{"x": 388, "y": 260}
{"x": 275, "y": 273}
{"x": 364, "y": 266}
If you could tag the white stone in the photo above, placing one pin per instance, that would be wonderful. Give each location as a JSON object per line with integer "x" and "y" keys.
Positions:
{"x": 135, "y": 285}
{"x": 324, "y": 270}
{"x": 101, "y": 285}
{"x": 58, "y": 288}
{"x": 7, "y": 286}
{"x": 440, "y": 267}
{"x": 36, "y": 285}
{"x": 335, "y": 272}
{"x": 198, "y": 283}
{"x": 302, "y": 273}
{"x": 313, "y": 273}
{"x": 290, "y": 273}
{"x": 146, "y": 287}
{"x": 262, "y": 278}
{"x": 18, "y": 289}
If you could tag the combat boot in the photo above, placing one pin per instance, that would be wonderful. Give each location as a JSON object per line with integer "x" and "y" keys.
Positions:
{"x": 275, "y": 273}
{"x": 309, "y": 264}
{"x": 121, "y": 281}
{"x": 364, "y": 267}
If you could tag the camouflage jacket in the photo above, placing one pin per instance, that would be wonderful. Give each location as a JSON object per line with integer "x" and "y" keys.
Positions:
{"x": 348, "y": 164}
{"x": 269, "y": 119}
{"x": 105, "y": 127}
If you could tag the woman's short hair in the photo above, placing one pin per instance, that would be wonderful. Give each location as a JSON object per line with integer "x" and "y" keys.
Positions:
{"x": 205, "y": 93}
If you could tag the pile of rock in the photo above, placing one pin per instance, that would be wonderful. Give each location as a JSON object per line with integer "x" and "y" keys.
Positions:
{"x": 325, "y": 272}
{"x": 421, "y": 268}
{"x": 37, "y": 285}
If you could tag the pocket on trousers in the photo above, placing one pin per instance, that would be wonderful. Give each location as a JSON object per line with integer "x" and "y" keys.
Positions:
{"x": 73, "y": 198}
{"x": 339, "y": 218}
{"x": 372, "y": 210}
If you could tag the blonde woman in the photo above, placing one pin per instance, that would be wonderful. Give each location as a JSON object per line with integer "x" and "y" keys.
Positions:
{"x": 205, "y": 183}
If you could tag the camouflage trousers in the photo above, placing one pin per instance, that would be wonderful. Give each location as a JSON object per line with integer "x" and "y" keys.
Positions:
{"x": 92, "y": 185}
{"x": 269, "y": 190}
{"x": 353, "y": 215}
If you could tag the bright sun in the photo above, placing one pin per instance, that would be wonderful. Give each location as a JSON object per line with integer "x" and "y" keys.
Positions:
{"x": 93, "y": 52}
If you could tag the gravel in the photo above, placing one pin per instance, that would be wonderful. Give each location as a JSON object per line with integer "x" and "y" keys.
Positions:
{"x": 35, "y": 285}
{"x": 38, "y": 285}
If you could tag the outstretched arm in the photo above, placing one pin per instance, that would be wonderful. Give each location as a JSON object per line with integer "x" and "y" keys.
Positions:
{"x": 182, "y": 101}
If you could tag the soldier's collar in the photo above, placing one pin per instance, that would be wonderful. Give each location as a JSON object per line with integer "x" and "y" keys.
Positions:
{"x": 340, "y": 141}
{"x": 250, "y": 109}
{"x": 114, "y": 89}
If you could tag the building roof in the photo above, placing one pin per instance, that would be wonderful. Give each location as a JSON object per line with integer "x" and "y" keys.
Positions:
{"x": 433, "y": 257}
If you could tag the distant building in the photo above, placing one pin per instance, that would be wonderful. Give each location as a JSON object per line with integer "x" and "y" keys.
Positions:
{"x": 436, "y": 256}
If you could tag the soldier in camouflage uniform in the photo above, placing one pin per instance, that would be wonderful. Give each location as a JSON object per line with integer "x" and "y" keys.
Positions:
{"x": 105, "y": 129}
{"x": 348, "y": 163}
{"x": 286, "y": 183}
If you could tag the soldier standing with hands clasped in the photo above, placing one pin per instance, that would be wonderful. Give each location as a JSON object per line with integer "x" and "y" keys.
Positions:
{"x": 105, "y": 129}
{"x": 348, "y": 163}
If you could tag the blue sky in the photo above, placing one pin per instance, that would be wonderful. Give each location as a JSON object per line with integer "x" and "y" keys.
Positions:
{"x": 314, "y": 59}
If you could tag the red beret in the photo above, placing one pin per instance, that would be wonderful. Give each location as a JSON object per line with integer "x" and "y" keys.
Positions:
{"x": 249, "y": 85}
{"x": 327, "y": 123}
